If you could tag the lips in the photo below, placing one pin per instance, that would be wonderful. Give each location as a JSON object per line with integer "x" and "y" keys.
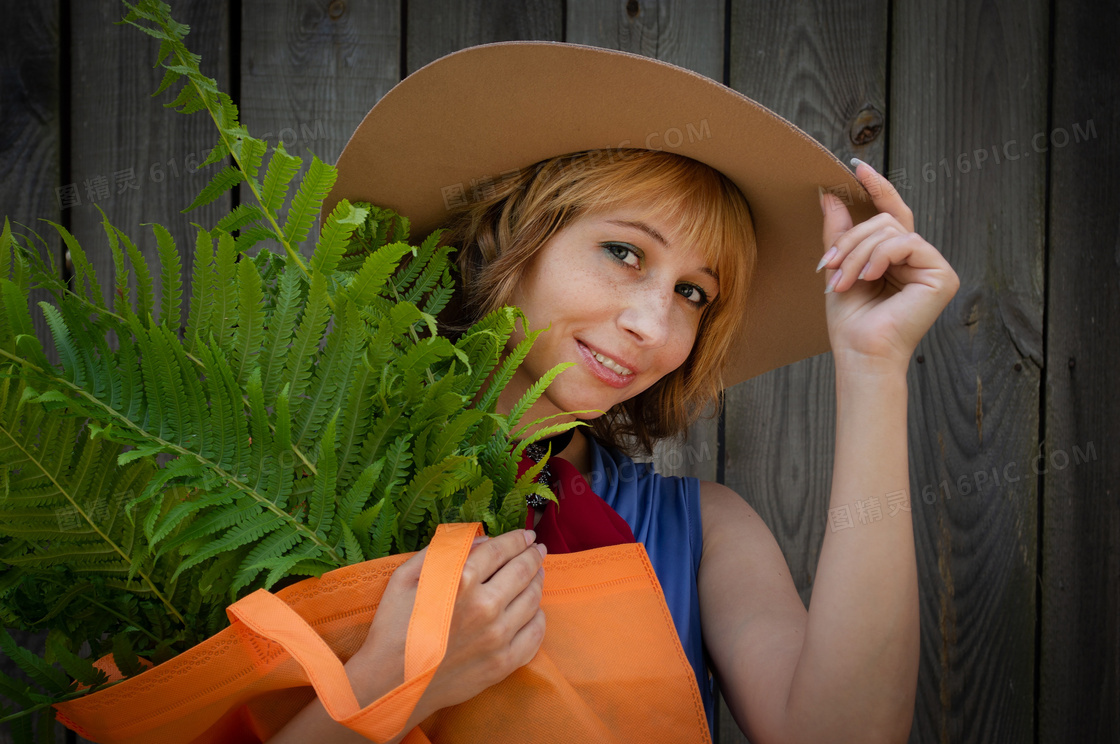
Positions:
{"x": 609, "y": 370}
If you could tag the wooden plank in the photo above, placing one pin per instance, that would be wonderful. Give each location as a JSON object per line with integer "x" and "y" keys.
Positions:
{"x": 799, "y": 59}
{"x": 131, "y": 156}
{"x": 311, "y": 72}
{"x": 30, "y": 164}
{"x": 1080, "y": 557}
{"x": 966, "y": 79}
{"x": 30, "y": 145}
{"x": 690, "y": 35}
{"x": 439, "y": 27}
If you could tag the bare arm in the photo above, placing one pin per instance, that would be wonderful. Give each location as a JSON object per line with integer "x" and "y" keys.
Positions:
{"x": 846, "y": 670}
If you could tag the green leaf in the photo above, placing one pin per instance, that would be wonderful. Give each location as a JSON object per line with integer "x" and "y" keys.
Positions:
{"x": 323, "y": 497}
{"x": 223, "y": 181}
{"x": 335, "y": 236}
{"x": 171, "y": 279}
{"x": 313, "y": 189}
{"x": 250, "y": 321}
{"x": 375, "y": 271}
{"x": 282, "y": 167}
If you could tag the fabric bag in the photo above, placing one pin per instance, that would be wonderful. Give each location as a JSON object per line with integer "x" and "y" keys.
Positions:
{"x": 610, "y": 669}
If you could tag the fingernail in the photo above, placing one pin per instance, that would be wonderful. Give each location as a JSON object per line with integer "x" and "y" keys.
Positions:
{"x": 866, "y": 266}
{"x": 857, "y": 161}
{"x": 827, "y": 257}
{"x": 530, "y": 536}
{"x": 479, "y": 540}
{"x": 820, "y": 196}
{"x": 832, "y": 282}
{"x": 542, "y": 549}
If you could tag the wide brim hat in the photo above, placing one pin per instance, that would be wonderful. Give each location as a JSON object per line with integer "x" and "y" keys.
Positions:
{"x": 458, "y": 125}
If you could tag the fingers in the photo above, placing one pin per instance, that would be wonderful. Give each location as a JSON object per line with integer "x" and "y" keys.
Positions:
{"x": 871, "y": 258}
{"x": 837, "y": 219}
{"x": 883, "y": 194}
{"x": 525, "y": 643}
{"x": 512, "y": 578}
{"x": 489, "y": 556}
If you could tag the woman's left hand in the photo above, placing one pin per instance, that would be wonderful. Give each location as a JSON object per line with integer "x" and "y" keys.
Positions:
{"x": 907, "y": 282}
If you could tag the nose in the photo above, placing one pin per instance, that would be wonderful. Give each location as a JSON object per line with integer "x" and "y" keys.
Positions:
{"x": 646, "y": 316}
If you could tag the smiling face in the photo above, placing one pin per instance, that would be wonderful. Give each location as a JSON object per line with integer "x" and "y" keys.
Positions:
{"x": 562, "y": 240}
{"x": 622, "y": 294}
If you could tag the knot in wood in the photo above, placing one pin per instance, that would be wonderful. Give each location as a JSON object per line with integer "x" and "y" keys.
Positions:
{"x": 866, "y": 127}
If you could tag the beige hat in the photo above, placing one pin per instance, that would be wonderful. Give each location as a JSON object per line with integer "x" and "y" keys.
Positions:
{"x": 454, "y": 128}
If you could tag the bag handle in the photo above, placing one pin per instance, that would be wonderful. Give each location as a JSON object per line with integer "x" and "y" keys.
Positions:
{"x": 428, "y": 629}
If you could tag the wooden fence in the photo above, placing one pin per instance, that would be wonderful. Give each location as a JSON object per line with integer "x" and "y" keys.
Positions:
{"x": 998, "y": 122}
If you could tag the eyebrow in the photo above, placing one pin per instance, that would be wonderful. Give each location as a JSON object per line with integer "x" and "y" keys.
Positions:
{"x": 653, "y": 233}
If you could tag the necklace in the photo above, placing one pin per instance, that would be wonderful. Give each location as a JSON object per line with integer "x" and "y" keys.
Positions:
{"x": 539, "y": 449}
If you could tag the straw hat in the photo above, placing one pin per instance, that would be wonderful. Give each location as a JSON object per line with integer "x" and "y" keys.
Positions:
{"x": 453, "y": 128}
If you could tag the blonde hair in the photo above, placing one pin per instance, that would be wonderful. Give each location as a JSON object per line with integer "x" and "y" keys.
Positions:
{"x": 499, "y": 235}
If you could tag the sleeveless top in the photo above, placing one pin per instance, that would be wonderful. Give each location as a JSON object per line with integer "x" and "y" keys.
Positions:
{"x": 664, "y": 515}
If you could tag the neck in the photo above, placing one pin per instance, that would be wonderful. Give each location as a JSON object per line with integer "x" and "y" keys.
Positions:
{"x": 578, "y": 453}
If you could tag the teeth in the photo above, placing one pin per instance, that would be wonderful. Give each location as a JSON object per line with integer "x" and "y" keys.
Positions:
{"x": 611, "y": 364}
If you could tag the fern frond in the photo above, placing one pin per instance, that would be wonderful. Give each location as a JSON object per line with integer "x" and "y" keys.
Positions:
{"x": 375, "y": 271}
{"x": 280, "y": 328}
{"x": 335, "y": 236}
{"x": 282, "y": 168}
{"x": 171, "y": 275}
{"x": 239, "y": 217}
{"x": 202, "y": 286}
{"x": 321, "y": 513}
{"x": 220, "y": 183}
{"x": 250, "y": 321}
{"x": 313, "y": 189}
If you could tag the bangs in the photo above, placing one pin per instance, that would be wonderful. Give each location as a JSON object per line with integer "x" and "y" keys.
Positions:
{"x": 708, "y": 210}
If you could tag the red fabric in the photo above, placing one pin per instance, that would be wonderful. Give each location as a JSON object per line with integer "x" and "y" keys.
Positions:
{"x": 583, "y": 520}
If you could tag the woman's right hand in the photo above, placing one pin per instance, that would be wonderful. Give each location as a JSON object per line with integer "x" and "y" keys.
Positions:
{"x": 496, "y": 627}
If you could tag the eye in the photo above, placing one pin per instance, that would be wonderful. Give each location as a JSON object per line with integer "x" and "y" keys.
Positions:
{"x": 624, "y": 253}
{"x": 693, "y": 294}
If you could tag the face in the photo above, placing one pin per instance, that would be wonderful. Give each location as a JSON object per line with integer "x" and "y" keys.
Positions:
{"x": 622, "y": 296}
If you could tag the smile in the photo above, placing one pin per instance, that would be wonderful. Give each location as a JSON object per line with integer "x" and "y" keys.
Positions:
{"x": 605, "y": 369}
{"x": 610, "y": 364}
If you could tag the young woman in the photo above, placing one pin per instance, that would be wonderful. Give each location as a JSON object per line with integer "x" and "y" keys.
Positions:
{"x": 640, "y": 263}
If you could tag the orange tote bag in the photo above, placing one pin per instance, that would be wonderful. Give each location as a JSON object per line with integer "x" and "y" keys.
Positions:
{"x": 610, "y": 669}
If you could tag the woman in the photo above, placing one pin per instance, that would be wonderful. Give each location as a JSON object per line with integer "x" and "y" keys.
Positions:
{"x": 641, "y": 263}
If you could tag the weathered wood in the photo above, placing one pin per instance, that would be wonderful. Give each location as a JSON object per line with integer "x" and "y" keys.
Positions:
{"x": 799, "y": 59}
{"x": 1079, "y": 677}
{"x": 310, "y": 72}
{"x": 132, "y": 157}
{"x": 30, "y": 137}
{"x": 966, "y": 78}
{"x": 438, "y": 27}
{"x": 30, "y": 162}
{"x": 690, "y": 35}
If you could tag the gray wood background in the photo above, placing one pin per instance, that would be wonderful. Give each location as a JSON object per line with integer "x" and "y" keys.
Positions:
{"x": 997, "y": 120}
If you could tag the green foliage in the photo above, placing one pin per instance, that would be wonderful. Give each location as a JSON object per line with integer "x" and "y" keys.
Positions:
{"x": 305, "y": 418}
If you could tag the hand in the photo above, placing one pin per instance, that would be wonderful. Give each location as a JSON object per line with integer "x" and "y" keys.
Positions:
{"x": 496, "y": 627}
{"x": 883, "y": 316}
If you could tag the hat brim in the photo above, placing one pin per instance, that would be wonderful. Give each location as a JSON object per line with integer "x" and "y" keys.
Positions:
{"x": 491, "y": 109}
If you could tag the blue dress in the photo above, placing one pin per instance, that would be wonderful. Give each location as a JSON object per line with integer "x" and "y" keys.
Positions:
{"x": 664, "y": 515}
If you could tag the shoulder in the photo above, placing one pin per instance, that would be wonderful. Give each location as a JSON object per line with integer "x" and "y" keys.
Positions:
{"x": 726, "y": 515}
{"x": 737, "y": 538}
